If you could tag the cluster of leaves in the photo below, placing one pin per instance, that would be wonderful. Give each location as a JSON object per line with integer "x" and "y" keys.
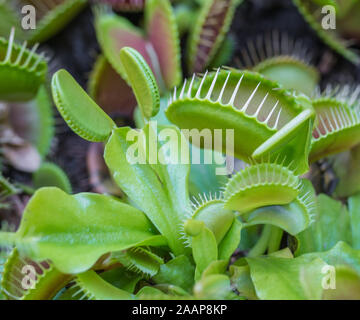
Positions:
{"x": 263, "y": 233}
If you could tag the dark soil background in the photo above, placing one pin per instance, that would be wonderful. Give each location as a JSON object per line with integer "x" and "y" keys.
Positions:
{"x": 76, "y": 48}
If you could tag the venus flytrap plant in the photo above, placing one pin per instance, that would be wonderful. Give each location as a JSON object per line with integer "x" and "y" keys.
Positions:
{"x": 283, "y": 59}
{"x": 158, "y": 44}
{"x": 337, "y": 124}
{"x": 310, "y": 11}
{"x": 49, "y": 174}
{"x": 51, "y": 16}
{"x": 164, "y": 199}
{"x": 26, "y": 111}
{"x": 160, "y": 52}
{"x": 212, "y": 24}
{"x": 346, "y": 168}
{"x": 22, "y": 71}
{"x": 156, "y": 244}
{"x": 269, "y": 117}
{"x": 9, "y": 19}
{"x": 97, "y": 126}
{"x": 44, "y": 284}
{"x": 126, "y": 5}
{"x": 260, "y": 185}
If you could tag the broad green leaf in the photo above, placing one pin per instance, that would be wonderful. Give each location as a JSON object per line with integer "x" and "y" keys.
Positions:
{"x": 341, "y": 254}
{"x": 178, "y": 271}
{"x": 173, "y": 172}
{"x": 287, "y": 279}
{"x": 141, "y": 183}
{"x": 347, "y": 285}
{"x": 332, "y": 225}
{"x": 75, "y": 231}
{"x": 346, "y": 276}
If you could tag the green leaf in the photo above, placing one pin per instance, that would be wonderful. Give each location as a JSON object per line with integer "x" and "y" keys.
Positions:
{"x": 215, "y": 217}
{"x": 346, "y": 166}
{"x": 142, "y": 81}
{"x": 203, "y": 177}
{"x": 96, "y": 288}
{"x": 142, "y": 185}
{"x": 44, "y": 285}
{"x": 215, "y": 267}
{"x": 122, "y": 278}
{"x": 261, "y": 185}
{"x": 332, "y": 225}
{"x": 163, "y": 34}
{"x": 214, "y": 287}
{"x": 139, "y": 260}
{"x": 293, "y": 217}
{"x": 172, "y": 172}
{"x": 178, "y": 271}
{"x": 9, "y": 18}
{"x": 55, "y": 17}
{"x": 22, "y": 71}
{"x": 354, "y": 211}
{"x": 279, "y": 125}
{"x": 231, "y": 241}
{"x": 214, "y": 18}
{"x": 205, "y": 250}
{"x": 241, "y": 279}
{"x": 330, "y": 37}
{"x": 347, "y": 284}
{"x": 80, "y": 112}
{"x": 75, "y": 231}
{"x": 346, "y": 261}
{"x": 287, "y": 279}
{"x": 151, "y": 293}
{"x": 51, "y": 175}
{"x": 340, "y": 254}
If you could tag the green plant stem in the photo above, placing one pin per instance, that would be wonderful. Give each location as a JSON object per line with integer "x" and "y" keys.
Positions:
{"x": 262, "y": 243}
{"x": 275, "y": 239}
{"x": 7, "y": 238}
